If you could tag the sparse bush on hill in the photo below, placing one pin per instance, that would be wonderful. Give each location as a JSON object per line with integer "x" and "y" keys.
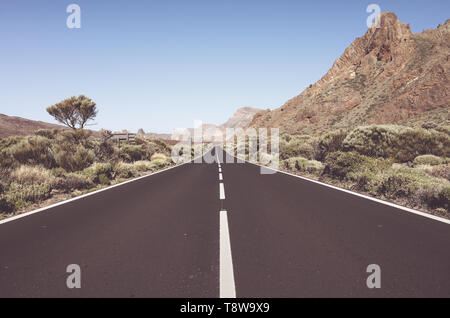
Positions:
{"x": 429, "y": 160}
{"x": 398, "y": 142}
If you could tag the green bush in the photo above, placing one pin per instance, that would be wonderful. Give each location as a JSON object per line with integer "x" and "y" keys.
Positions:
{"x": 415, "y": 185}
{"x": 429, "y": 160}
{"x": 72, "y": 181}
{"x": 302, "y": 164}
{"x": 103, "y": 179}
{"x": 297, "y": 146}
{"x": 158, "y": 164}
{"x": 328, "y": 143}
{"x": 33, "y": 150}
{"x": 131, "y": 153}
{"x": 349, "y": 165}
{"x": 21, "y": 195}
{"x": 31, "y": 175}
{"x": 74, "y": 159}
{"x": 398, "y": 142}
{"x": 124, "y": 170}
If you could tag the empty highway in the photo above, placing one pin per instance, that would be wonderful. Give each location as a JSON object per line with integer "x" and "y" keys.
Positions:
{"x": 224, "y": 230}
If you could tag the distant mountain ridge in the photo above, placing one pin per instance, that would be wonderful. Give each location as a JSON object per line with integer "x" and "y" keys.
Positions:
{"x": 389, "y": 75}
{"x": 18, "y": 126}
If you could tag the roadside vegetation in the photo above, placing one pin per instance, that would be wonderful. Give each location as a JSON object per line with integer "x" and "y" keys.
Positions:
{"x": 409, "y": 166}
{"x": 57, "y": 164}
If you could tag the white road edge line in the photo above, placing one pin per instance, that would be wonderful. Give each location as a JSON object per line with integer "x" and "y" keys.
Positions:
{"x": 220, "y": 177}
{"x": 227, "y": 284}
{"x": 22, "y": 215}
{"x": 424, "y": 214}
{"x": 221, "y": 191}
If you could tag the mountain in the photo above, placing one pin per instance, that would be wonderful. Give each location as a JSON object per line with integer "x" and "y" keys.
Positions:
{"x": 241, "y": 118}
{"x": 17, "y": 126}
{"x": 389, "y": 75}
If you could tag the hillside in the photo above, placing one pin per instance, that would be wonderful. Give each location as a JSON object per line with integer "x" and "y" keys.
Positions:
{"x": 17, "y": 126}
{"x": 389, "y": 75}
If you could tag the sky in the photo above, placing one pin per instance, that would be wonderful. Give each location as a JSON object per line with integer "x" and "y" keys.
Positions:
{"x": 160, "y": 65}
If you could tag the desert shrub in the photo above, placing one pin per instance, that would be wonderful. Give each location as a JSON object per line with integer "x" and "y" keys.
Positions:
{"x": 415, "y": 185}
{"x": 441, "y": 171}
{"x": 21, "y": 195}
{"x": 125, "y": 170}
{"x": 328, "y": 143}
{"x": 106, "y": 151}
{"x": 99, "y": 168}
{"x": 302, "y": 164}
{"x": 31, "y": 175}
{"x": 72, "y": 181}
{"x": 398, "y": 142}
{"x": 131, "y": 153}
{"x": 297, "y": 146}
{"x": 77, "y": 136}
{"x": 103, "y": 179}
{"x": 142, "y": 165}
{"x": 158, "y": 156}
{"x": 48, "y": 133}
{"x": 429, "y": 160}
{"x": 350, "y": 165}
{"x": 58, "y": 172}
{"x": 33, "y": 150}
{"x": 72, "y": 159}
{"x": 158, "y": 164}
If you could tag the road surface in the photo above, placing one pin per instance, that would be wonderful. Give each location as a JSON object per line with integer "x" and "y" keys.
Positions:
{"x": 179, "y": 233}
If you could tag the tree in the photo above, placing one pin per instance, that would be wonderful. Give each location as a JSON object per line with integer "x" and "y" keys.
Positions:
{"x": 74, "y": 112}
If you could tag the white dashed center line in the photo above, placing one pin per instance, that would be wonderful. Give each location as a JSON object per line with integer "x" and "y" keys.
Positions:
{"x": 227, "y": 285}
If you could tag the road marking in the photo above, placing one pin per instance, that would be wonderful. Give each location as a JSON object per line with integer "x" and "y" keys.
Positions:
{"x": 424, "y": 214}
{"x": 220, "y": 169}
{"x": 222, "y": 191}
{"x": 220, "y": 177}
{"x": 227, "y": 285}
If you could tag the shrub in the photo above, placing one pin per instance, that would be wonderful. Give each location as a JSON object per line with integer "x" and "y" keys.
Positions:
{"x": 143, "y": 165}
{"x": 441, "y": 171}
{"x": 47, "y": 133}
{"x": 302, "y": 164}
{"x": 408, "y": 182}
{"x": 131, "y": 153}
{"x": 349, "y": 165}
{"x": 429, "y": 160}
{"x": 72, "y": 181}
{"x": 328, "y": 143}
{"x": 296, "y": 146}
{"x": 159, "y": 156}
{"x": 398, "y": 142}
{"x": 21, "y": 195}
{"x": 97, "y": 169}
{"x": 103, "y": 179}
{"x": 124, "y": 170}
{"x": 33, "y": 150}
{"x": 31, "y": 175}
{"x": 158, "y": 164}
{"x": 74, "y": 159}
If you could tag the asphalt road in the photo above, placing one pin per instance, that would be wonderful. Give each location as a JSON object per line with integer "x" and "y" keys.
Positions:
{"x": 281, "y": 236}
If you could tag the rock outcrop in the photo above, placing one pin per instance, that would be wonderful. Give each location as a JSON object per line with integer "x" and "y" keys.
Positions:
{"x": 389, "y": 75}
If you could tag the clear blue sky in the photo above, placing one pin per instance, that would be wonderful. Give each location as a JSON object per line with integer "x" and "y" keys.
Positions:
{"x": 162, "y": 64}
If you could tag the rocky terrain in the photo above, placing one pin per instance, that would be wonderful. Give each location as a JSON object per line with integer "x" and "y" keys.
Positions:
{"x": 389, "y": 75}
